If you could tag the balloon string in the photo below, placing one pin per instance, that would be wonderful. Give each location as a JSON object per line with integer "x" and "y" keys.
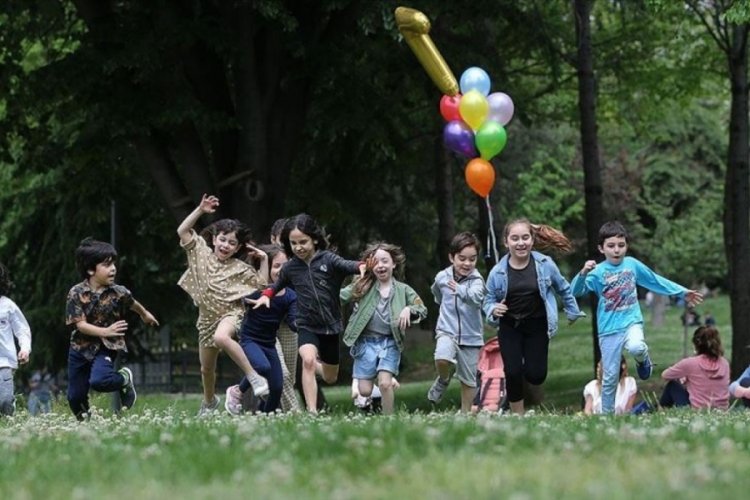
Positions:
{"x": 491, "y": 238}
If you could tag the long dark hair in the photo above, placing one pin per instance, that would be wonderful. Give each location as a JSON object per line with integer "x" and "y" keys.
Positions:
{"x": 545, "y": 237}
{"x": 707, "y": 341}
{"x": 307, "y": 225}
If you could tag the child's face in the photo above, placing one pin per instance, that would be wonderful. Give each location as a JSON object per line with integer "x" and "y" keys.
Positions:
{"x": 519, "y": 241}
{"x": 465, "y": 261}
{"x": 384, "y": 265}
{"x": 302, "y": 245}
{"x": 614, "y": 249}
{"x": 104, "y": 274}
{"x": 276, "y": 264}
{"x": 225, "y": 245}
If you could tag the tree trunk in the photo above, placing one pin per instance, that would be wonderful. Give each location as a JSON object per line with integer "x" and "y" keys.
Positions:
{"x": 737, "y": 201}
{"x": 444, "y": 195}
{"x": 589, "y": 144}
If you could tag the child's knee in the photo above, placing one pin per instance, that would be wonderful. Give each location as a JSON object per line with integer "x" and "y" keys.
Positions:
{"x": 638, "y": 350}
{"x": 330, "y": 377}
{"x": 309, "y": 363}
{"x": 385, "y": 385}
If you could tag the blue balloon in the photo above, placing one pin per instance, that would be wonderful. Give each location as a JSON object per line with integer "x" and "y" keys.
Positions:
{"x": 475, "y": 78}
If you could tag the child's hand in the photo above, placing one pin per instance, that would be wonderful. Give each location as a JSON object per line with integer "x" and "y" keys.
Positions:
{"x": 693, "y": 297}
{"x": 499, "y": 309}
{"x": 116, "y": 329}
{"x": 23, "y": 357}
{"x": 395, "y": 384}
{"x": 404, "y": 319}
{"x": 368, "y": 265}
{"x": 208, "y": 204}
{"x": 260, "y": 301}
{"x": 452, "y": 285}
{"x": 149, "y": 318}
{"x": 253, "y": 251}
{"x": 588, "y": 266}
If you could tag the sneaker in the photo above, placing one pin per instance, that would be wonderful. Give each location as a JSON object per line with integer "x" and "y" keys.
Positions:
{"x": 233, "y": 401}
{"x": 435, "y": 394}
{"x": 259, "y": 384}
{"x": 127, "y": 393}
{"x": 644, "y": 368}
{"x": 207, "y": 408}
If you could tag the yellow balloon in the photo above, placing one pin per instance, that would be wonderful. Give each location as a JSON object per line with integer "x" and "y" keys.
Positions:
{"x": 414, "y": 26}
{"x": 474, "y": 108}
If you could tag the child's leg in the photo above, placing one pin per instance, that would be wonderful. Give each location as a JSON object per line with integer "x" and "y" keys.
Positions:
{"x": 365, "y": 387}
{"x": 328, "y": 351}
{"x": 535, "y": 350}
{"x": 79, "y": 370}
{"x": 309, "y": 355}
{"x": 467, "y": 360}
{"x": 289, "y": 345}
{"x": 674, "y": 394}
{"x": 104, "y": 377}
{"x": 611, "y": 348}
{"x": 224, "y": 340}
{"x": 635, "y": 343}
{"x": 385, "y": 384}
{"x": 275, "y": 378}
{"x": 208, "y": 357}
{"x": 288, "y": 395}
{"x": 7, "y": 392}
{"x": 256, "y": 357}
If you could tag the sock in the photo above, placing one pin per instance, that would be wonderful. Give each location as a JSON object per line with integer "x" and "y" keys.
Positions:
{"x": 244, "y": 385}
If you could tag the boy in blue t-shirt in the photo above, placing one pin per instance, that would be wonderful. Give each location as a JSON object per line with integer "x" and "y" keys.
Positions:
{"x": 619, "y": 318}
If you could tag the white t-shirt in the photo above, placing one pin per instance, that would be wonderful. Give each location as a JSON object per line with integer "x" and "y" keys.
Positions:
{"x": 625, "y": 390}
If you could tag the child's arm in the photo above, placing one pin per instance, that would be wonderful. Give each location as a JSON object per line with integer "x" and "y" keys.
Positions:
{"x": 207, "y": 205}
{"x": 345, "y": 294}
{"x": 677, "y": 371}
{"x": 471, "y": 292}
{"x": 116, "y": 329}
{"x": 490, "y": 306}
{"x": 563, "y": 289}
{"x": 262, "y": 256}
{"x": 580, "y": 284}
{"x": 435, "y": 288}
{"x": 145, "y": 315}
{"x": 648, "y": 279}
{"x": 414, "y": 312}
{"x": 22, "y": 332}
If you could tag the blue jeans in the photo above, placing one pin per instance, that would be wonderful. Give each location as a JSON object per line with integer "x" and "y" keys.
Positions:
{"x": 265, "y": 360}
{"x": 611, "y": 346}
{"x": 84, "y": 374}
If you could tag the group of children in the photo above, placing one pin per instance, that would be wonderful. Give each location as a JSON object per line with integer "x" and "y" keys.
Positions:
{"x": 245, "y": 293}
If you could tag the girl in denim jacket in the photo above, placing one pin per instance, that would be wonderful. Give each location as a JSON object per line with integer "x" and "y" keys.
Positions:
{"x": 520, "y": 299}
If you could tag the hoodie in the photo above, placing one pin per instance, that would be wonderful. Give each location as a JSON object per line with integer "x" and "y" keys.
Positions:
{"x": 706, "y": 380}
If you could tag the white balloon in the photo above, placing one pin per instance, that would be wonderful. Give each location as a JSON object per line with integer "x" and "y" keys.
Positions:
{"x": 501, "y": 108}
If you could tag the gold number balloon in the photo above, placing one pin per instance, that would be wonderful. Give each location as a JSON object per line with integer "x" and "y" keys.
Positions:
{"x": 415, "y": 28}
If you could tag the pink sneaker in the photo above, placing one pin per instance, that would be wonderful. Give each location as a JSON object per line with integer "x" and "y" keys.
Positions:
{"x": 233, "y": 402}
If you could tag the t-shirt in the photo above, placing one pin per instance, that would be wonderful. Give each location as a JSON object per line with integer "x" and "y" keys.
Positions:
{"x": 523, "y": 298}
{"x": 380, "y": 321}
{"x": 100, "y": 308}
{"x": 625, "y": 390}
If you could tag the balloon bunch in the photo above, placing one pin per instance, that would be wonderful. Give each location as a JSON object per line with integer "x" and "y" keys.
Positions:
{"x": 476, "y": 126}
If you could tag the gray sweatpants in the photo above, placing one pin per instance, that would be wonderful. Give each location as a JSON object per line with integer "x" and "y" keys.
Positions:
{"x": 7, "y": 397}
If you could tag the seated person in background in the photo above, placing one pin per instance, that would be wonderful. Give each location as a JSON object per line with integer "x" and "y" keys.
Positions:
{"x": 700, "y": 381}
{"x": 624, "y": 398}
{"x": 740, "y": 388}
{"x": 690, "y": 317}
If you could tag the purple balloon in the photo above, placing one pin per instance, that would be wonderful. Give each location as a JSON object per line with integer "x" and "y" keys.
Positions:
{"x": 501, "y": 108}
{"x": 459, "y": 137}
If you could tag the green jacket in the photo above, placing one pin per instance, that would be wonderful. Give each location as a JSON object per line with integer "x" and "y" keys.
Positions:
{"x": 402, "y": 295}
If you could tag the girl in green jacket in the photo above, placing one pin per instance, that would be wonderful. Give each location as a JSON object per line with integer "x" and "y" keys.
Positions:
{"x": 383, "y": 309}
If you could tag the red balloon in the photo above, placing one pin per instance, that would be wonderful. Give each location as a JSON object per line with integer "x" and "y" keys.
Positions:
{"x": 480, "y": 176}
{"x": 449, "y": 107}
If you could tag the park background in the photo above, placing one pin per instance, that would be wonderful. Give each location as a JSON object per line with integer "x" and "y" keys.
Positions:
{"x": 115, "y": 117}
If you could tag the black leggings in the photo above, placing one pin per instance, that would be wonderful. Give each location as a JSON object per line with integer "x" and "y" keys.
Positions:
{"x": 524, "y": 345}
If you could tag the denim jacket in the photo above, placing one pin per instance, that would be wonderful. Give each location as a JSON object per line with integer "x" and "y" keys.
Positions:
{"x": 550, "y": 281}
{"x": 402, "y": 295}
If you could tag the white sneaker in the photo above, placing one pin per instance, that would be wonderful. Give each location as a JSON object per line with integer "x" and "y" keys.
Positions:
{"x": 259, "y": 384}
{"x": 208, "y": 408}
{"x": 233, "y": 401}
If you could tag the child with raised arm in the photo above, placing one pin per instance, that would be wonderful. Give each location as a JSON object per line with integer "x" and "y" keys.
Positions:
{"x": 258, "y": 338}
{"x": 619, "y": 317}
{"x": 217, "y": 279}
{"x": 383, "y": 309}
{"x": 13, "y": 326}
{"x": 459, "y": 290}
{"x": 316, "y": 274}
{"x": 96, "y": 308}
{"x": 522, "y": 291}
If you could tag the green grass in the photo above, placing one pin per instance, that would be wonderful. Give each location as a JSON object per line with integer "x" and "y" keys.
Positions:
{"x": 161, "y": 450}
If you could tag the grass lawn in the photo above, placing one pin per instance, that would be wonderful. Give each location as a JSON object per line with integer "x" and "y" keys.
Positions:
{"x": 161, "y": 450}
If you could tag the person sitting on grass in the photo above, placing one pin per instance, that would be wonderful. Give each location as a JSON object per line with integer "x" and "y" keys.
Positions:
{"x": 627, "y": 390}
{"x": 740, "y": 388}
{"x": 700, "y": 381}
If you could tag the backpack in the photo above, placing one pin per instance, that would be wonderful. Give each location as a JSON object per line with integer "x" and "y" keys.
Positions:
{"x": 491, "y": 392}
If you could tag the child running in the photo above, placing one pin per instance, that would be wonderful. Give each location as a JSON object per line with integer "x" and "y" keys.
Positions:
{"x": 384, "y": 308}
{"x": 258, "y": 338}
{"x": 96, "y": 307}
{"x": 217, "y": 279}
{"x": 619, "y": 317}
{"x": 459, "y": 289}
{"x": 13, "y": 326}
{"x": 316, "y": 274}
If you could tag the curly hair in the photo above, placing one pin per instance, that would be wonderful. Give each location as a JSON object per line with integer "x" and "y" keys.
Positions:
{"x": 707, "y": 341}
{"x": 227, "y": 226}
{"x": 6, "y": 285}
{"x": 362, "y": 285}
{"x": 545, "y": 237}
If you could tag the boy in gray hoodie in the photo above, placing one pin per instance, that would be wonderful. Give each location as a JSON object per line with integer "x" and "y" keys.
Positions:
{"x": 459, "y": 289}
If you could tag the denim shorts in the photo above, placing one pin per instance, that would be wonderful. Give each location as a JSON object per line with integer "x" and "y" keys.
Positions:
{"x": 373, "y": 354}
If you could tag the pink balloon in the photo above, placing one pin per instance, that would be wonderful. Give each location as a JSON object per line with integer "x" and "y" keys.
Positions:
{"x": 501, "y": 108}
